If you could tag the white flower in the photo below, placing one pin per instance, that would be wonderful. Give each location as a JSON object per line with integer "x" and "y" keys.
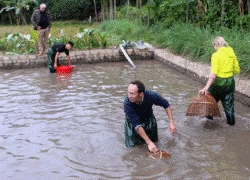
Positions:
{"x": 62, "y": 33}
{"x": 9, "y": 37}
{"x": 26, "y": 36}
{"x": 80, "y": 35}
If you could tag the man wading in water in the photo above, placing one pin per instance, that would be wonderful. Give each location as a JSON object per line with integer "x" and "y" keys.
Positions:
{"x": 54, "y": 52}
{"x": 140, "y": 123}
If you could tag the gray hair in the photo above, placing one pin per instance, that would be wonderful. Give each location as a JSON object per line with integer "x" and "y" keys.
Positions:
{"x": 220, "y": 41}
{"x": 43, "y": 5}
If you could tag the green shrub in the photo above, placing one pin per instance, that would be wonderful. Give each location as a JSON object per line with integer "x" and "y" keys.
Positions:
{"x": 18, "y": 43}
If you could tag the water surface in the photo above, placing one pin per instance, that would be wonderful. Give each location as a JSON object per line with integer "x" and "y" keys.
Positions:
{"x": 71, "y": 126}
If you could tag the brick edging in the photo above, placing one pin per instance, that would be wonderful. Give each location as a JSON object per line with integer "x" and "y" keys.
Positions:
{"x": 77, "y": 57}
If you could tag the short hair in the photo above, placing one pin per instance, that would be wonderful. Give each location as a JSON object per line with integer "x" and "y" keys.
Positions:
{"x": 71, "y": 43}
{"x": 139, "y": 84}
{"x": 220, "y": 41}
{"x": 43, "y": 5}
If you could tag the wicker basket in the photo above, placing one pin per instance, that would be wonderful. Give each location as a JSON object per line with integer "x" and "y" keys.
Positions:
{"x": 203, "y": 105}
{"x": 158, "y": 154}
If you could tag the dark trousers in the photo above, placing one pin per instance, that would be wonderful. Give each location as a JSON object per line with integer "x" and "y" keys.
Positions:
{"x": 223, "y": 90}
{"x": 51, "y": 60}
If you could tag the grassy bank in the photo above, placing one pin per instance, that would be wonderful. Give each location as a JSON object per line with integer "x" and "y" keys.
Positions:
{"x": 184, "y": 39}
{"x": 71, "y": 27}
{"x": 23, "y": 39}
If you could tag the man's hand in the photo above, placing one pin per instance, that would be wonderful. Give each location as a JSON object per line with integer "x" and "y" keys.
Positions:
{"x": 172, "y": 128}
{"x": 170, "y": 116}
{"x": 39, "y": 27}
{"x": 55, "y": 66}
{"x": 152, "y": 147}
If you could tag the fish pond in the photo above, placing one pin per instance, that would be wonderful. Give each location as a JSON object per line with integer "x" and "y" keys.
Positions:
{"x": 71, "y": 126}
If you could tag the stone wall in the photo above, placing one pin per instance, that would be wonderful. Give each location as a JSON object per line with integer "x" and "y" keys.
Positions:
{"x": 79, "y": 57}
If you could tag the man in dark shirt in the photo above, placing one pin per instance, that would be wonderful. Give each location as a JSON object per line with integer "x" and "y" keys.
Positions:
{"x": 54, "y": 52}
{"x": 140, "y": 123}
{"x": 41, "y": 22}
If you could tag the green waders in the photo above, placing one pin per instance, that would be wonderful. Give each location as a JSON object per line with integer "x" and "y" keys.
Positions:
{"x": 51, "y": 59}
{"x": 132, "y": 137}
{"x": 223, "y": 89}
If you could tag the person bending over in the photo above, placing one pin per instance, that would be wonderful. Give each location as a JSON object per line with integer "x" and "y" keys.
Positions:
{"x": 54, "y": 52}
{"x": 140, "y": 122}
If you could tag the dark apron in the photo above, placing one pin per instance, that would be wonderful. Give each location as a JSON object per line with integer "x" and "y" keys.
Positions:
{"x": 132, "y": 137}
{"x": 222, "y": 90}
{"x": 51, "y": 60}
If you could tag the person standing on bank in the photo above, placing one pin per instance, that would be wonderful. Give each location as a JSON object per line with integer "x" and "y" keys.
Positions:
{"x": 41, "y": 22}
{"x": 140, "y": 122}
{"x": 221, "y": 83}
{"x": 54, "y": 52}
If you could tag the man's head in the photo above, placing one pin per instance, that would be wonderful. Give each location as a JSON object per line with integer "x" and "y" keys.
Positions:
{"x": 42, "y": 7}
{"x": 136, "y": 91}
{"x": 69, "y": 45}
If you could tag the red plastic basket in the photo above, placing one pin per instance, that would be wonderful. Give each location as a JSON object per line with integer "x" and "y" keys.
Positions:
{"x": 63, "y": 69}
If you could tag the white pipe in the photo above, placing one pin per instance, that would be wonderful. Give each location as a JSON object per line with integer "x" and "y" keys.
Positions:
{"x": 126, "y": 55}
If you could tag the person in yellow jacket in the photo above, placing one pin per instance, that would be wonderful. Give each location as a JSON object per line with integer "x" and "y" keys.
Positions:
{"x": 221, "y": 83}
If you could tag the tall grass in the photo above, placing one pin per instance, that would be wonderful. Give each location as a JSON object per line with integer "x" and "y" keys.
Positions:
{"x": 185, "y": 39}
{"x": 123, "y": 30}
{"x": 189, "y": 40}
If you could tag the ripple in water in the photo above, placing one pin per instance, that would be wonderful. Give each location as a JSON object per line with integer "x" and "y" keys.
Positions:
{"x": 70, "y": 126}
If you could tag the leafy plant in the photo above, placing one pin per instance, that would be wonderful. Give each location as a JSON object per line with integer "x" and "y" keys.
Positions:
{"x": 19, "y": 6}
{"x": 102, "y": 39}
{"x": 89, "y": 38}
{"x": 18, "y": 43}
{"x": 34, "y": 36}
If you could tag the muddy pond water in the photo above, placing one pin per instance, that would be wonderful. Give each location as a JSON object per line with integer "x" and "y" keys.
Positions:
{"x": 71, "y": 126}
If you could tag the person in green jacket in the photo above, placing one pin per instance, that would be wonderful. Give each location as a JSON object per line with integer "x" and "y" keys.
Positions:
{"x": 221, "y": 83}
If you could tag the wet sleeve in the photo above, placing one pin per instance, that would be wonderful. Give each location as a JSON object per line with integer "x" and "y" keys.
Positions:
{"x": 131, "y": 114}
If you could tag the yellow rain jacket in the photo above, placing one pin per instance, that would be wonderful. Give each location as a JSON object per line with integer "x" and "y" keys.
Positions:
{"x": 224, "y": 63}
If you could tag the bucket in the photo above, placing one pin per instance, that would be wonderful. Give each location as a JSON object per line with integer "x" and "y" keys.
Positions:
{"x": 63, "y": 69}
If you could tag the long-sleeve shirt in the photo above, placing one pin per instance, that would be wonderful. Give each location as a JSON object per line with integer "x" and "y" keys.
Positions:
{"x": 138, "y": 113}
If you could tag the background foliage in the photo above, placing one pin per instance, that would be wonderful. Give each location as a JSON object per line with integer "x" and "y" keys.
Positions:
{"x": 186, "y": 27}
{"x": 204, "y": 13}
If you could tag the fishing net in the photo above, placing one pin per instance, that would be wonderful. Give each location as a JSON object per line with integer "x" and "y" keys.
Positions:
{"x": 159, "y": 155}
{"x": 203, "y": 106}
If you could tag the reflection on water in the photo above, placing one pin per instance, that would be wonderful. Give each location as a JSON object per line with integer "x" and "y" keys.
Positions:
{"x": 70, "y": 126}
